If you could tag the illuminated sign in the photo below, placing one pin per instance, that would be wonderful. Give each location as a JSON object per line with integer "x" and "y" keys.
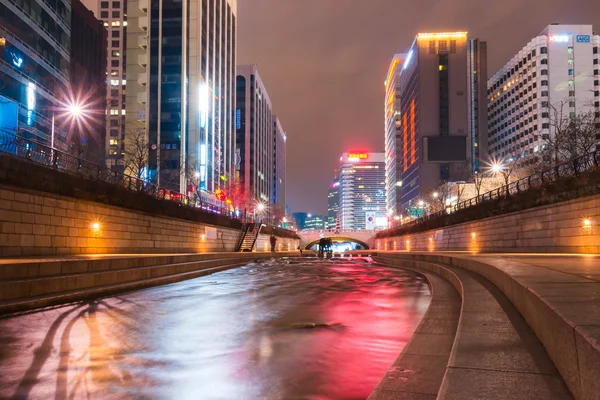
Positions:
{"x": 30, "y": 94}
{"x": 558, "y": 38}
{"x": 238, "y": 118}
{"x": 357, "y": 156}
{"x": 583, "y": 38}
{"x": 203, "y": 103}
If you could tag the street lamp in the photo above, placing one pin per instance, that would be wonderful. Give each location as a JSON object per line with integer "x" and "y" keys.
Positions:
{"x": 436, "y": 195}
{"x": 497, "y": 167}
{"x": 73, "y": 110}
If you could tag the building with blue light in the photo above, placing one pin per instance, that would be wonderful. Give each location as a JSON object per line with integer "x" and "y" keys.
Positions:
{"x": 181, "y": 90}
{"x": 35, "y": 70}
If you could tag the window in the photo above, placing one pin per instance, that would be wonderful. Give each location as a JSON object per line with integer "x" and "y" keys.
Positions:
{"x": 432, "y": 47}
{"x": 571, "y": 72}
{"x": 570, "y": 49}
{"x": 115, "y": 33}
{"x": 543, "y": 50}
{"x": 116, "y": 53}
{"x": 114, "y": 92}
{"x": 595, "y": 61}
{"x": 545, "y": 126}
{"x": 544, "y": 72}
{"x": 571, "y": 104}
{"x": 114, "y": 122}
{"x": 116, "y": 14}
{"x": 544, "y": 93}
{"x": 116, "y": 4}
{"x": 595, "y": 50}
{"x": 115, "y": 43}
{"x": 104, "y": 4}
{"x": 571, "y": 93}
{"x": 114, "y": 132}
{"x": 114, "y": 103}
{"x": 104, "y": 14}
{"x": 114, "y": 63}
{"x": 443, "y": 44}
{"x": 544, "y": 83}
{"x": 544, "y": 61}
{"x": 114, "y": 142}
{"x": 114, "y": 73}
{"x": 453, "y": 46}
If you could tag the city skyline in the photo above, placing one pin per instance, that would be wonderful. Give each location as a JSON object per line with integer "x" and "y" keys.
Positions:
{"x": 351, "y": 57}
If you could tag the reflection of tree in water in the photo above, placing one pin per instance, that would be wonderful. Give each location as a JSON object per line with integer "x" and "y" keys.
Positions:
{"x": 86, "y": 369}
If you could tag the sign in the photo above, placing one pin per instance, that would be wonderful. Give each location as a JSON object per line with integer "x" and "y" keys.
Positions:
{"x": 370, "y": 221}
{"x": 238, "y": 118}
{"x": 357, "y": 156}
{"x": 583, "y": 38}
{"x": 558, "y": 38}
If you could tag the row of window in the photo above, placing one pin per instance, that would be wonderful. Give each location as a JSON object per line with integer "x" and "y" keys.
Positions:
{"x": 115, "y": 14}
{"x": 115, "y": 4}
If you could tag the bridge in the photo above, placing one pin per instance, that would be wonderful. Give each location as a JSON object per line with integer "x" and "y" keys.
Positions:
{"x": 364, "y": 238}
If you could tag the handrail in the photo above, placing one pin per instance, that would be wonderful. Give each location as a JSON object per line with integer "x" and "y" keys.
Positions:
{"x": 39, "y": 153}
{"x": 571, "y": 167}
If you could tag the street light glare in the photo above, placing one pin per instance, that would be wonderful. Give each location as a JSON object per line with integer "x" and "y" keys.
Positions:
{"x": 435, "y": 195}
{"x": 260, "y": 207}
{"x": 75, "y": 110}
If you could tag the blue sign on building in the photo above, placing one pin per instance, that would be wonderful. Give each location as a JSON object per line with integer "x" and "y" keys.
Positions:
{"x": 583, "y": 38}
{"x": 238, "y": 118}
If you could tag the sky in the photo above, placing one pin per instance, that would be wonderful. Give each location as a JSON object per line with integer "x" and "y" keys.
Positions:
{"x": 324, "y": 62}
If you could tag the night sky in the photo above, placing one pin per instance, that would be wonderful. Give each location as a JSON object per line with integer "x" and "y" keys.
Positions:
{"x": 324, "y": 63}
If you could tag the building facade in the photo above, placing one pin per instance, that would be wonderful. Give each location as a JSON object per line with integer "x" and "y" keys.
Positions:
{"x": 35, "y": 59}
{"x": 362, "y": 200}
{"x": 113, "y": 15}
{"x": 392, "y": 132}
{"x": 477, "y": 103}
{"x": 181, "y": 59}
{"x": 88, "y": 82}
{"x": 279, "y": 157}
{"x": 556, "y": 75}
{"x": 333, "y": 205}
{"x": 436, "y": 134}
{"x": 255, "y": 135}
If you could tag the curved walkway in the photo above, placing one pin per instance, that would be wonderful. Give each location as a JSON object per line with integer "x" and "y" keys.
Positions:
{"x": 495, "y": 354}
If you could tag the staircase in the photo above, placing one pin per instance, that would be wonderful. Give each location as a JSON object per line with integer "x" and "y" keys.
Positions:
{"x": 248, "y": 237}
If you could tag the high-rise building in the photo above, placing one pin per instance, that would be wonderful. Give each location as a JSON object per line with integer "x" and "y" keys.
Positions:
{"x": 314, "y": 222}
{"x": 279, "y": 156}
{"x": 300, "y": 218}
{"x": 477, "y": 103}
{"x": 392, "y": 132}
{"x": 113, "y": 15}
{"x": 255, "y": 134}
{"x": 181, "y": 89}
{"x": 555, "y": 76}
{"x": 436, "y": 131}
{"x": 362, "y": 202}
{"x": 35, "y": 58}
{"x": 333, "y": 205}
{"x": 88, "y": 82}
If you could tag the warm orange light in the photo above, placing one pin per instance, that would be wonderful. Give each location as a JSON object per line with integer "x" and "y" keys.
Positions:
{"x": 587, "y": 223}
{"x": 360, "y": 156}
{"x": 405, "y": 125}
{"x": 473, "y": 235}
{"x": 441, "y": 35}
{"x": 2, "y": 41}
{"x": 96, "y": 226}
{"x": 413, "y": 150}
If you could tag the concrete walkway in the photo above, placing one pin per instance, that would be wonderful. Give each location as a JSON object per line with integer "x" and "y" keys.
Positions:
{"x": 559, "y": 297}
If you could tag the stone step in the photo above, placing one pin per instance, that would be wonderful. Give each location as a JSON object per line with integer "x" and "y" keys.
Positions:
{"x": 495, "y": 354}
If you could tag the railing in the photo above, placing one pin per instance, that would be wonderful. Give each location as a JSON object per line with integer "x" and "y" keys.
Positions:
{"x": 41, "y": 154}
{"x": 568, "y": 168}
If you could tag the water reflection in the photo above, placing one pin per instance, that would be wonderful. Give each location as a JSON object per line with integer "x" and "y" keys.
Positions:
{"x": 292, "y": 329}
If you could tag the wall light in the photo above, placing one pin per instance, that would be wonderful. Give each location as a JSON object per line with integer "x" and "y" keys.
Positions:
{"x": 95, "y": 226}
{"x": 587, "y": 223}
{"x": 473, "y": 235}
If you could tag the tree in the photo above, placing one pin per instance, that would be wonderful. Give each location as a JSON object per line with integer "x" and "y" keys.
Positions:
{"x": 137, "y": 150}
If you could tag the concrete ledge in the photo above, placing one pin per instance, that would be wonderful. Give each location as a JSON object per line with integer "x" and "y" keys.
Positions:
{"x": 73, "y": 280}
{"x": 495, "y": 355}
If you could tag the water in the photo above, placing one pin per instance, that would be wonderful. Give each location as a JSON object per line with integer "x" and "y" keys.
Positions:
{"x": 288, "y": 329}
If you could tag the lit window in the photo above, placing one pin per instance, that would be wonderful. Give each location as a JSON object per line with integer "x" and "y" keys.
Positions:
{"x": 116, "y": 23}
{"x": 114, "y": 82}
{"x": 123, "y": 112}
{"x": 114, "y": 142}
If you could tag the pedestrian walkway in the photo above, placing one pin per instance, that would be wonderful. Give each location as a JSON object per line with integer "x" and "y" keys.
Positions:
{"x": 559, "y": 297}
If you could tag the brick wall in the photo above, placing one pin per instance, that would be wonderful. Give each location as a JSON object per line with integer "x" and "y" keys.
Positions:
{"x": 37, "y": 223}
{"x": 557, "y": 228}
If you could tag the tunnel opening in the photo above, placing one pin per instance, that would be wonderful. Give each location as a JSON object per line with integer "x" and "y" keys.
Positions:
{"x": 340, "y": 244}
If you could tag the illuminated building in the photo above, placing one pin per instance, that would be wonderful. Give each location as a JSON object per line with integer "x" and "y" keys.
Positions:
{"x": 440, "y": 96}
{"x": 558, "y": 70}
{"x": 333, "y": 205}
{"x": 314, "y": 222}
{"x": 35, "y": 60}
{"x": 113, "y": 14}
{"x": 255, "y": 134}
{"x": 181, "y": 89}
{"x": 362, "y": 202}
{"x": 392, "y": 132}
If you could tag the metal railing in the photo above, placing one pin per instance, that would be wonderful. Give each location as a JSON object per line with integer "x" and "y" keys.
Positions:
{"x": 42, "y": 154}
{"x": 572, "y": 167}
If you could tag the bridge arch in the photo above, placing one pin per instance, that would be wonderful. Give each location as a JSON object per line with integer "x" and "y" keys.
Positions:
{"x": 339, "y": 239}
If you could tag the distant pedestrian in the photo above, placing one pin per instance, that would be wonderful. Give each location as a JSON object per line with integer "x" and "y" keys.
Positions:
{"x": 273, "y": 241}
{"x": 300, "y": 250}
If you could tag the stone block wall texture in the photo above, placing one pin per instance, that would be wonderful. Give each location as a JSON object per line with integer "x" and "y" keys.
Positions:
{"x": 41, "y": 224}
{"x": 556, "y": 228}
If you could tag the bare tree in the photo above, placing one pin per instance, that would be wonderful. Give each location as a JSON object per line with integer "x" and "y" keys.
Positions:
{"x": 137, "y": 150}
{"x": 478, "y": 180}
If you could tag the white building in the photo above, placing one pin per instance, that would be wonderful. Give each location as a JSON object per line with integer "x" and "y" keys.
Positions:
{"x": 556, "y": 69}
{"x": 181, "y": 89}
{"x": 392, "y": 130}
{"x": 362, "y": 202}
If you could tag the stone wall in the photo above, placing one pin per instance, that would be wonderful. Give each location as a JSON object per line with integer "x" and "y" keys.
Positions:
{"x": 38, "y": 223}
{"x": 556, "y": 228}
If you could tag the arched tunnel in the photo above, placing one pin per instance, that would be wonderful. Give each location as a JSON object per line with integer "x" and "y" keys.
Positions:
{"x": 340, "y": 244}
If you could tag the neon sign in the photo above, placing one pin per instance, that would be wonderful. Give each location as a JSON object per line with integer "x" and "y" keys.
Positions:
{"x": 357, "y": 156}
{"x": 558, "y": 38}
